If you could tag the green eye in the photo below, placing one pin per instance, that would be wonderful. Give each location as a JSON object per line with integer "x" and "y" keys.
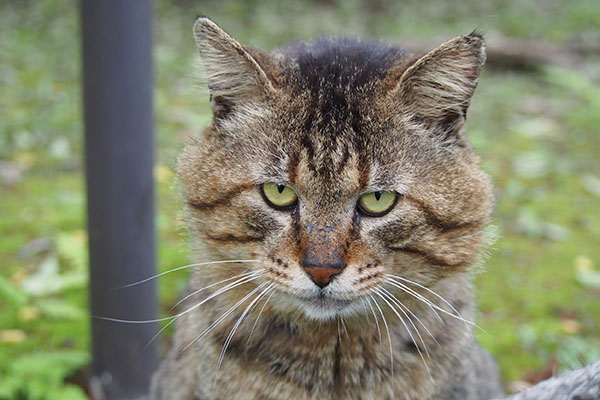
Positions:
{"x": 376, "y": 204}
{"x": 278, "y": 195}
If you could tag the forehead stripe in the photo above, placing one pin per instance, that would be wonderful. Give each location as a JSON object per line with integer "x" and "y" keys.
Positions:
{"x": 221, "y": 199}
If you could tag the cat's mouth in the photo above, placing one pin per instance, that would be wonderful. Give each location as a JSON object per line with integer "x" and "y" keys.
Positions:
{"x": 323, "y": 306}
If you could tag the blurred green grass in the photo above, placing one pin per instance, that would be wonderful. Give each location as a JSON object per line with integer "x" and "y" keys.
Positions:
{"x": 536, "y": 132}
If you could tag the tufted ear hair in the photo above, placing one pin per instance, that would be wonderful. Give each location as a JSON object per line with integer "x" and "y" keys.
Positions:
{"x": 437, "y": 89}
{"x": 234, "y": 73}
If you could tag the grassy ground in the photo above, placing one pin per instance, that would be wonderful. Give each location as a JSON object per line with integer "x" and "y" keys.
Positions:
{"x": 537, "y": 133}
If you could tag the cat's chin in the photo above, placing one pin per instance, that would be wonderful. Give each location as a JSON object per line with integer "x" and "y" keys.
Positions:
{"x": 323, "y": 307}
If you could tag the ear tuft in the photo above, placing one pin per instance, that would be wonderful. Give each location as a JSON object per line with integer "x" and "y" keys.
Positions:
{"x": 476, "y": 34}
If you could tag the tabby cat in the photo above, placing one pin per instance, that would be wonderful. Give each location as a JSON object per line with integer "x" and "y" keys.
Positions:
{"x": 337, "y": 183}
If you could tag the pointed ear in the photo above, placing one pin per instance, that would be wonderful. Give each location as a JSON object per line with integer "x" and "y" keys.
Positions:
{"x": 234, "y": 75}
{"x": 437, "y": 89}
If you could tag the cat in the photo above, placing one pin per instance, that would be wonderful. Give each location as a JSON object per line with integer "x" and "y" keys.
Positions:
{"x": 337, "y": 209}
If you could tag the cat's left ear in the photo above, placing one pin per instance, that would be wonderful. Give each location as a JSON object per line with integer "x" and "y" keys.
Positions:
{"x": 234, "y": 73}
{"x": 437, "y": 89}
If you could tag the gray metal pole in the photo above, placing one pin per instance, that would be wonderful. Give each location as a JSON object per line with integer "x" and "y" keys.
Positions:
{"x": 117, "y": 83}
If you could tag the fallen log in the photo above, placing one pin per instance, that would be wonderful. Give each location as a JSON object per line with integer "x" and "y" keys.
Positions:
{"x": 514, "y": 53}
{"x": 581, "y": 384}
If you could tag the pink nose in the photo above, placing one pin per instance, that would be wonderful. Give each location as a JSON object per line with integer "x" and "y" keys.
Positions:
{"x": 322, "y": 276}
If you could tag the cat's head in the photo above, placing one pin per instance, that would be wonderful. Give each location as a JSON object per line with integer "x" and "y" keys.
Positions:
{"x": 337, "y": 164}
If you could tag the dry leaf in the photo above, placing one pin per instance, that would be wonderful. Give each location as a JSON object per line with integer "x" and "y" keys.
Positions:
{"x": 162, "y": 173}
{"x": 548, "y": 371}
{"x": 12, "y": 336}
{"x": 29, "y": 313}
{"x": 570, "y": 325}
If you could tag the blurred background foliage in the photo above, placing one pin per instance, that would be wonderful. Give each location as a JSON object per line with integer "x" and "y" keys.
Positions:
{"x": 536, "y": 131}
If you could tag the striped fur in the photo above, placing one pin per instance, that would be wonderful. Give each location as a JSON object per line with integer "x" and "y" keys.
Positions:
{"x": 333, "y": 119}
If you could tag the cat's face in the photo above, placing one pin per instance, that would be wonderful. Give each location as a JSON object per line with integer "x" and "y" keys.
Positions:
{"x": 335, "y": 165}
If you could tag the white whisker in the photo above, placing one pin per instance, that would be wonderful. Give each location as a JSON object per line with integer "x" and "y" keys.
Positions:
{"x": 382, "y": 296}
{"x": 457, "y": 315}
{"x": 180, "y": 268}
{"x": 221, "y": 318}
{"x": 173, "y": 317}
{"x": 344, "y": 327}
{"x": 134, "y": 321}
{"x": 376, "y": 320}
{"x": 405, "y": 310}
{"x": 418, "y": 296}
{"x": 195, "y": 292}
{"x": 387, "y": 328}
{"x": 258, "y": 316}
{"x": 237, "y": 324}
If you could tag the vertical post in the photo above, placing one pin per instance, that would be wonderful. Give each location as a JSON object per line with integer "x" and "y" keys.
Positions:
{"x": 117, "y": 85}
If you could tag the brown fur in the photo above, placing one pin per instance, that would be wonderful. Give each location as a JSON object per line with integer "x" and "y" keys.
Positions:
{"x": 333, "y": 120}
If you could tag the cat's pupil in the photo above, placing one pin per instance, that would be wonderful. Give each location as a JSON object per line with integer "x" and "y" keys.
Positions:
{"x": 280, "y": 187}
{"x": 378, "y": 195}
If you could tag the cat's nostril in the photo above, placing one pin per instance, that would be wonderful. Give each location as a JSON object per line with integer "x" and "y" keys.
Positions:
{"x": 322, "y": 275}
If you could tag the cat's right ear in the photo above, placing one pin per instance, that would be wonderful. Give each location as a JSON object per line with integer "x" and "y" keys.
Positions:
{"x": 436, "y": 90}
{"x": 233, "y": 74}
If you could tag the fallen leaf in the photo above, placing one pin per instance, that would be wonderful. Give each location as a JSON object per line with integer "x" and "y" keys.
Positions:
{"x": 29, "y": 313}
{"x": 570, "y": 325}
{"x": 548, "y": 371}
{"x": 81, "y": 235}
{"x": 162, "y": 173}
{"x": 12, "y": 336}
